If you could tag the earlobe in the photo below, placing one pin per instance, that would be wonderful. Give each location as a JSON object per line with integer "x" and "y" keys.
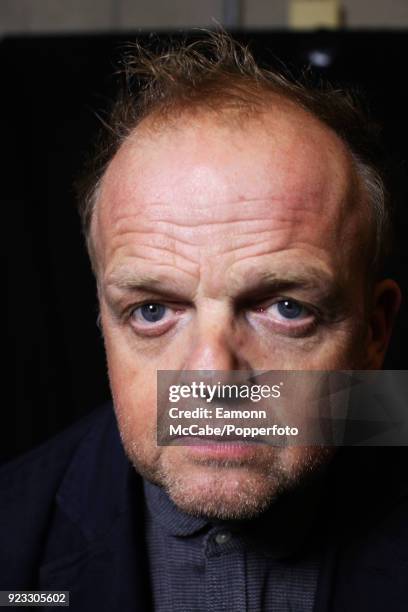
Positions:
{"x": 385, "y": 307}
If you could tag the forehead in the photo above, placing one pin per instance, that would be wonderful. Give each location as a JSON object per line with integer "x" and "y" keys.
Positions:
{"x": 283, "y": 165}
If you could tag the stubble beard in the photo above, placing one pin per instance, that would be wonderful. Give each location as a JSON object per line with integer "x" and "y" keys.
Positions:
{"x": 228, "y": 489}
{"x": 236, "y": 491}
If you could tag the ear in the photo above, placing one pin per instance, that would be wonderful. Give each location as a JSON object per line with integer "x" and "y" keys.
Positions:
{"x": 385, "y": 306}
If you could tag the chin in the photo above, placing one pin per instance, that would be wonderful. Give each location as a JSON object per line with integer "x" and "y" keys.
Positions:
{"x": 237, "y": 488}
{"x": 221, "y": 492}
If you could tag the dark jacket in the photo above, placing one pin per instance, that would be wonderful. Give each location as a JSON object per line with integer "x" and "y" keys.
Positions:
{"x": 71, "y": 518}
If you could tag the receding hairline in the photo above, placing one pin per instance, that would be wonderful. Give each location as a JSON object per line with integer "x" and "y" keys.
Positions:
{"x": 274, "y": 106}
{"x": 224, "y": 112}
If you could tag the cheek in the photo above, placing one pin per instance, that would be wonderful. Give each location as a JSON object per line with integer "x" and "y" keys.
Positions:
{"x": 133, "y": 385}
{"x": 327, "y": 349}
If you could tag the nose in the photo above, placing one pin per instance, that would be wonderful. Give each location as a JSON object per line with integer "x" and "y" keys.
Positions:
{"x": 216, "y": 343}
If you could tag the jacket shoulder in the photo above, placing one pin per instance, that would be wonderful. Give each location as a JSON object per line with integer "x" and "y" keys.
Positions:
{"x": 28, "y": 487}
{"x": 52, "y": 455}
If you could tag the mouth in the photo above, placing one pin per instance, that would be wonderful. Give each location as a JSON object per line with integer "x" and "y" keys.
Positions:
{"x": 219, "y": 448}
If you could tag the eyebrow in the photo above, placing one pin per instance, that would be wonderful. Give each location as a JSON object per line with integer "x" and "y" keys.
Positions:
{"x": 259, "y": 286}
{"x": 128, "y": 281}
{"x": 307, "y": 279}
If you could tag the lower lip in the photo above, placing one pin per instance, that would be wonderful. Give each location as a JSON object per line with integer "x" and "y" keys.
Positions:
{"x": 220, "y": 450}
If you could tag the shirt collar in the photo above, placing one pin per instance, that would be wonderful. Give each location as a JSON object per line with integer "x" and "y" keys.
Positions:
{"x": 279, "y": 532}
{"x": 173, "y": 520}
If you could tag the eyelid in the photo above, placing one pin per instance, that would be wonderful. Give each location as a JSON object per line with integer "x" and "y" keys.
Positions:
{"x": 276, "y": 300}
{"x": 167, "y": 318}
{"x": 166, "y": 303}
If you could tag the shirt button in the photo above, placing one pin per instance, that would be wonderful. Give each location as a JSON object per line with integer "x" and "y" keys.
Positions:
{"x": 223, "y": 537}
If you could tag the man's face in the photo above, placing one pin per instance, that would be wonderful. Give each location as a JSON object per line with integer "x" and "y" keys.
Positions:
{"x": 228, "y": 248}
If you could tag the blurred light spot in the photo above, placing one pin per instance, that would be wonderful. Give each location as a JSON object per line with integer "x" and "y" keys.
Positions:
{"x": 319, "y": 58}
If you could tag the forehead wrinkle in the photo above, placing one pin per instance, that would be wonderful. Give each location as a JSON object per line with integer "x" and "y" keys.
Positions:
{"x": 243, "y": 245}
{"x": 181, "y": 237}
{"x": 150, "y": 237}
{"x": 149, "y": 256}
{"x": 236, "y": 212}
{"x": 124, "y": 278}
{"x": 236, "y": 242}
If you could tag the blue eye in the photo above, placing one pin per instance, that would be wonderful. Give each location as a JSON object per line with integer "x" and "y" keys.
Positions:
{"x": 290, "y": 309}
{"x": 152, "y": 312}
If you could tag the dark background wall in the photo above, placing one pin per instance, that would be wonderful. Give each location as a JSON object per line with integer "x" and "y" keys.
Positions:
{"x": 51, "y": 87}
